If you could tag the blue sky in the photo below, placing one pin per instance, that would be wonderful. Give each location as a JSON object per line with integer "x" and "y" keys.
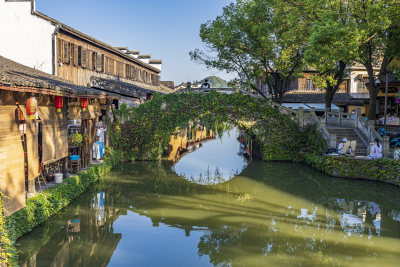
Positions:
{"x": 166, "y": 29}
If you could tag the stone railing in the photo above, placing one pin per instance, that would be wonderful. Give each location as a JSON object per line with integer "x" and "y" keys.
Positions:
{"x": 321, "y": 126}
{"x": 337, "y": 119}
{"x": 367, "y": 128}
{"x": 305, "y": 118}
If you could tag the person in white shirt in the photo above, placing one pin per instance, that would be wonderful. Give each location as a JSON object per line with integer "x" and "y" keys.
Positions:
{"x": 341, "y": 145}
{"x": 205, "y": 84}
{"x": 377, "y": 150}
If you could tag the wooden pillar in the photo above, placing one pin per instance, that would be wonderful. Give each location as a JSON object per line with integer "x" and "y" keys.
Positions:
{"x": 66, "y": 167}
{"x": 32, "y": 147}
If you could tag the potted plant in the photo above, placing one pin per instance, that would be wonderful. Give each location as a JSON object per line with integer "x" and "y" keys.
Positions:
{"x": 76, "y": 140}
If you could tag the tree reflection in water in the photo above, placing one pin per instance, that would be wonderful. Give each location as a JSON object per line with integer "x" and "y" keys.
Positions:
{"x": 272, "y": 214}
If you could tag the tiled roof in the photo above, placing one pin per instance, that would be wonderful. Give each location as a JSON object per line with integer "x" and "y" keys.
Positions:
{"x": 14, "y": 75}
{"x": 339, "y": 98}
{"x": 126, "y": 89}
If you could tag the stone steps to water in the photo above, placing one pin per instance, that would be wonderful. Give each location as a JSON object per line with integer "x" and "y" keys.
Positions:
{"x": 351, "y": 135}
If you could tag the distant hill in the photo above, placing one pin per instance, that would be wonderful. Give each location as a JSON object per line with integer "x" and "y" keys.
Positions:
{"x": 214, "y": 81}
{"x": 217, "y": 82}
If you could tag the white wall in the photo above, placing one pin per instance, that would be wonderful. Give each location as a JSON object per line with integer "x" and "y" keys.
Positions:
{"x": 25, "y": 38}
{"x": 145, "y": 60}
{"x": 158, "y": 66}
{"x": 353, "y": 80}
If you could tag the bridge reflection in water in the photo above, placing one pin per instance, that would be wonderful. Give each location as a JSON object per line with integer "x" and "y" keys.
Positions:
{"x": 272, "y": 214}
{"x": 217, "y": 160}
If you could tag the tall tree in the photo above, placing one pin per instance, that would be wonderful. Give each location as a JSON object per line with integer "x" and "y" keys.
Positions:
{"x": 378, "y": 30}
{"x": 257, "y": 39}
{"x": 332, "y": 47}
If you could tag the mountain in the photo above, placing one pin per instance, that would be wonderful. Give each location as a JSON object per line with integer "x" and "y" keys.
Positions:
{"x": 214, "y": 81}
{"x": 217, "y": 82}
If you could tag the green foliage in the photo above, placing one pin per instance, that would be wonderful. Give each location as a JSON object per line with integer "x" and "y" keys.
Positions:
{"x": 41, "y": 207}
{"x": 8, "y": 253}
{"x": 256, "y": 39}
{"x": 76, "y": 139}
{"x": 382, "y": 170}
{"x": 147, "y": 133}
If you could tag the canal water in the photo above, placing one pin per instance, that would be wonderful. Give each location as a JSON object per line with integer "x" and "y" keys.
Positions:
{"x": 249, "y": 213}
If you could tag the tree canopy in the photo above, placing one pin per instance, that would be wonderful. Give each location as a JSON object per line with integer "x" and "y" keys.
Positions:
{"x": 258, "y": 39}
{"x": 274, "y": 41}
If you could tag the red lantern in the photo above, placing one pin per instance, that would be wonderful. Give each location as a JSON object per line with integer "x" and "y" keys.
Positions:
{"x": 84, "y": 103}
{"x": 31, "y": 107}
{"x": 58, "y": 102}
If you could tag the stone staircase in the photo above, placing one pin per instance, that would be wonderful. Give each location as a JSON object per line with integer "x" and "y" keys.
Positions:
{"x": 351, "y": 135}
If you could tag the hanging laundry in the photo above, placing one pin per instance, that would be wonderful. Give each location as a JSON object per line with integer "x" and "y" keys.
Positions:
{"x": 96, "y": 151}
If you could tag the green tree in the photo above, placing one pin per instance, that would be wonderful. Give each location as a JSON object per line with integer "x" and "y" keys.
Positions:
{"x": 372, "y": 25}
{"x": 332, "y": 46}
{"x": 378, "y": 29}
{"x": 256, "y": 39}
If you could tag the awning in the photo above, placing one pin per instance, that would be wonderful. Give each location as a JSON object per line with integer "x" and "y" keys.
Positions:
{"x": 308, "y": 106}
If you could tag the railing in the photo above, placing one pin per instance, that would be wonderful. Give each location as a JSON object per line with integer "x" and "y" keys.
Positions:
{"x": 338, "y": 119}
{"x": 367, "y": 128}
{"x": 305, "y": 118}
{"x": 330, "y": 138}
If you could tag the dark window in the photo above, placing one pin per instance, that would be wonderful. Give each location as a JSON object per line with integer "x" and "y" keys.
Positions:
{"x": 66, "y": 51}
{"x": 84, "y": 59}
{"x": 94, "y": 60}
{"x": 59, "y": 50}
{"x": 79, "y": 56}
{"x": 100, "y": 63}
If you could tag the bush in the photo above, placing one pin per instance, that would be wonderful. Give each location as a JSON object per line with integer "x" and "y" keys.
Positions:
{"x": 8, "y": 253}
{"x": 381, "y": 170}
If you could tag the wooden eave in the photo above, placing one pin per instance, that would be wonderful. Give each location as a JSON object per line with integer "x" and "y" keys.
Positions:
{"x": 94, "y": 41}
{"x": 45, "y": 91}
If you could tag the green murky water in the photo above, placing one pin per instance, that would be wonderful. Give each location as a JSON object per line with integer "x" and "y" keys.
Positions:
{"x": 272, "y": 214}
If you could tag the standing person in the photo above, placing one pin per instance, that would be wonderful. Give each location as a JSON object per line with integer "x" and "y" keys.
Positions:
{"x": 377, "y": 150}
{"x": 396, "y": 153}
{"x": 205, "y": 84}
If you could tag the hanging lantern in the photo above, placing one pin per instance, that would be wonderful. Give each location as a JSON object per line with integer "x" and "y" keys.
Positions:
{"x": 31, "y": 107}
{"x": 19, "y": 116}
{"x": 58, "y": 103}
{"x": 84, "y": 103}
